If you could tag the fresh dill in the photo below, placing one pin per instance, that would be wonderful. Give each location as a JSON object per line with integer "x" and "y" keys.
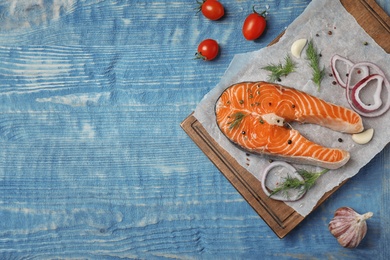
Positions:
{"x": 237, "y": 118}
{"x": 309, "y": 179}
{"x": 313, "y": 57}
{"x": 280, "y": 70}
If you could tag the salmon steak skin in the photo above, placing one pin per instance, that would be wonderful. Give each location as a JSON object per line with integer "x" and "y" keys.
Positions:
{"x": 256, "y": 116}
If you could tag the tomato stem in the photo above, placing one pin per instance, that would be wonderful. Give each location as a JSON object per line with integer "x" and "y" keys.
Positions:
{"x": 199, "y": 56}
{"x": 200, "y": 3}
{"x": 199, "y": 8}
{"x": 264, "y": 13}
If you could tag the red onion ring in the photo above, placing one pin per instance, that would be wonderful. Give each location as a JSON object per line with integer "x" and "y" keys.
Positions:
{"x": 355, "y": 95}
{"x": 353, "y": 90}
{"x": 337, "y": 58}
{"x": 291, "y": 171}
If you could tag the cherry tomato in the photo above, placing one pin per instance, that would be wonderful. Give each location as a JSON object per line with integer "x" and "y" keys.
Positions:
{"x": 211, "y": 9}
{"x": 254, "y": 25}
{"x": 207, "y": 50}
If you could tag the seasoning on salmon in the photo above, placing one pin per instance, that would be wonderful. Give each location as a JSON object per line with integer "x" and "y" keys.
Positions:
{"x": 254, "y": 115}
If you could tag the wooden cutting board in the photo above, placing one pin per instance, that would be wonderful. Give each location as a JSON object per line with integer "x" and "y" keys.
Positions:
{"x": 280, "y": 217}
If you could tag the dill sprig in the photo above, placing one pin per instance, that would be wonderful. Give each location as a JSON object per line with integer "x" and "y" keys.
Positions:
{"x": 309, "y": 179}
{"x": 313, "y": 57}
{"x": 237, "y": 118}
{"x": 280, "y": 70}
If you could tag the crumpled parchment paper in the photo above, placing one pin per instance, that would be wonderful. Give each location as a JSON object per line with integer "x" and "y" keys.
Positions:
{"x": 333, "y": 31}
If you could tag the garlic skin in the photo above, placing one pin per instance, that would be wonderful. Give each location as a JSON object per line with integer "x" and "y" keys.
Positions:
{"x": 348, "y": 226}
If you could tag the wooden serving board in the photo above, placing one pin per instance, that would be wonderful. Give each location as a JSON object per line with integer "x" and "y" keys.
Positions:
{"x": 280, "y": 217}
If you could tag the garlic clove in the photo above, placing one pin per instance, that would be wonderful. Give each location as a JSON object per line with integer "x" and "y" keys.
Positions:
{"x": 363, "y": 137}
{"x": 297, "y": 47}
{"x": 349, "y": 227}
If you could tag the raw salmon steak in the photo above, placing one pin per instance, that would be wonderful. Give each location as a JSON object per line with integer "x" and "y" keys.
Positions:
{"x": 255, "y": 116}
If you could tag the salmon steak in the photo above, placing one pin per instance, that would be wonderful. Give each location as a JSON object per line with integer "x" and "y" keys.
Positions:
{"x": 256, "y": 116}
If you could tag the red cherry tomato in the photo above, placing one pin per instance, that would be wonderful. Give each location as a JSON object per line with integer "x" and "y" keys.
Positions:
{"x": 207, "y": 50}
{"x": 254, "y": 26}
{"x": 211, "y": 9}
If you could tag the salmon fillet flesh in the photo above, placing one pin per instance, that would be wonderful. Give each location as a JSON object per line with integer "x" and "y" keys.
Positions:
{"x": 255, "y": 116}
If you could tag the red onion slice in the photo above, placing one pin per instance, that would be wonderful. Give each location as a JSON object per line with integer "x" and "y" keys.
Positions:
{"x": 271, "y": 180}
{"x": 342, "y": 78}
{"x": 353, "y": 91}
{"x": 335, "y": 71}
{"x": 355, "y": 95}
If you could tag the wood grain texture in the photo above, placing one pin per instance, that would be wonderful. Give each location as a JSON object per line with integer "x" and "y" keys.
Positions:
{"x": 93, "y": 162}
{"x": 369, "y": 15}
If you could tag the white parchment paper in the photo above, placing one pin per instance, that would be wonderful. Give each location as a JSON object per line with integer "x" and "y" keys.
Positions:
{"x": 333, "y": 31}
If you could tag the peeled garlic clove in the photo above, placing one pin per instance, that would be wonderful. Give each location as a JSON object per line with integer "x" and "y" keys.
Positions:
{"x": 348, "y": 226}
{"x": 297, "y": 47}
{"x": 363, "y": 137}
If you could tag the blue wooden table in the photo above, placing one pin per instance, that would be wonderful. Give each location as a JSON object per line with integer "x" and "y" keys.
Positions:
{"x": 93, "y": 162}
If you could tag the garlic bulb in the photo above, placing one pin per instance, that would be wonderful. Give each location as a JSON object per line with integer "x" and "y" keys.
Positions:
{"x": 348, "y": 226}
